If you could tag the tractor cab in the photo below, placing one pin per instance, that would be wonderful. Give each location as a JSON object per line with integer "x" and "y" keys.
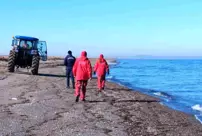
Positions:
{"x": 31, "y": 45}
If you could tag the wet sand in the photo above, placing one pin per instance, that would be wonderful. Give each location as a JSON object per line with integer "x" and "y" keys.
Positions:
{"x": 41, "y": 105}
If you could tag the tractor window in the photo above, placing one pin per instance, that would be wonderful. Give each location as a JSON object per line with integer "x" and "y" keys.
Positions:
{"x": 15, "y": 42}
{"x": 34, "y": 44}
{"x": 25, "y": 44}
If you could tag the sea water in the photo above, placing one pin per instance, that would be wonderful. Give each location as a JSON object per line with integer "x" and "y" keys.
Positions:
{"x": 178, "y": 83}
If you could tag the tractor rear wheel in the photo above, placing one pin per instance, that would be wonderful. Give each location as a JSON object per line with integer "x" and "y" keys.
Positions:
{"x": 35, "y": 65}
{"x": 11, "y": 61}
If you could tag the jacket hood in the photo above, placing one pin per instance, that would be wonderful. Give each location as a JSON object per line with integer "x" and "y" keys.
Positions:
{"x": 83, "y": 55}
{"x": 101, "y": 56}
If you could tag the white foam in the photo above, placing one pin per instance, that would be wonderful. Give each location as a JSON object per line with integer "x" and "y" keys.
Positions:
{"x": 112, "y": 63}
{"x": 198, "y": 119}
{"x": 197, "y": 107}
{"x": 158, "y": 94}
{"x": 161, "y": 103}
{"x": 109, "y": 77}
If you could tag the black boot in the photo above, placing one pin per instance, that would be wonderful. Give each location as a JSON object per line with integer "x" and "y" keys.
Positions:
{"x": 77, "y": 99}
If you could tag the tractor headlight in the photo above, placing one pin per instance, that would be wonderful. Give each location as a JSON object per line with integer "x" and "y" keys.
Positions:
{"x": 33, "y": 52}
{"x": 16, "y": 50}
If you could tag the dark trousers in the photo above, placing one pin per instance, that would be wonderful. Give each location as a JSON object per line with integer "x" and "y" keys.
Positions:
{"x": 69, "y": 75}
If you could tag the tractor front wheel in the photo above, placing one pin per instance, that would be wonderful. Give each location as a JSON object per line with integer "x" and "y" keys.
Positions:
{"x": 35, "y": 65}
{"x": 11, "y": 61}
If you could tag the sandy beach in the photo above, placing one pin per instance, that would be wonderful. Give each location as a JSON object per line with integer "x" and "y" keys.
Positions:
{"x": 42, "y": 106}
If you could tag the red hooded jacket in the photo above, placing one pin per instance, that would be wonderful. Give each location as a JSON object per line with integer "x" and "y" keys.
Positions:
{"x": 82, "y": 69}
{"x": 101, "y": 66}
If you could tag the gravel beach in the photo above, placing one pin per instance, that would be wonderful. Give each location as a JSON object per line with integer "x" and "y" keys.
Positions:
{"x": 42, "y": 106}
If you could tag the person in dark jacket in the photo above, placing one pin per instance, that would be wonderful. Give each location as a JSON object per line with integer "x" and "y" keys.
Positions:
{"x": 69, "y": 63}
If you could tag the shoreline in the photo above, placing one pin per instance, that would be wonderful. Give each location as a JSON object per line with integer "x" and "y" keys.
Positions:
{"x": 41, "y": 105}
{"x": 156, "y": 97}
{"x": 177, "y": 116}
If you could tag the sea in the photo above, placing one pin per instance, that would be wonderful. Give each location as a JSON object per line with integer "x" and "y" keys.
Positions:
{"x": 177, "y": 82}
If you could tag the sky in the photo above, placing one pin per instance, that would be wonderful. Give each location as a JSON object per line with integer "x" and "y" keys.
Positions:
{"x": 115, "y": 28}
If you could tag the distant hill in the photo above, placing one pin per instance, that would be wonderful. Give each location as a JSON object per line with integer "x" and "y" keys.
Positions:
{"x": 161, "y": 57}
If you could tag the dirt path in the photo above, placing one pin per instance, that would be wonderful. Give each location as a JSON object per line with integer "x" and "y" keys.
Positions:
{"x": 42, "y": 106}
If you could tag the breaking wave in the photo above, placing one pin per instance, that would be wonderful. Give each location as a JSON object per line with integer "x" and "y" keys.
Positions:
{"x": 197, "y": 107}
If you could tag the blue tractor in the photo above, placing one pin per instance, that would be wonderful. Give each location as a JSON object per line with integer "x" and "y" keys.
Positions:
{"x": 27, "y": 53}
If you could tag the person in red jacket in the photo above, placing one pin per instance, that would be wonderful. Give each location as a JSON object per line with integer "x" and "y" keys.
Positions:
{"x": 82, "y": 71}
{"x": 101, "y": 68}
